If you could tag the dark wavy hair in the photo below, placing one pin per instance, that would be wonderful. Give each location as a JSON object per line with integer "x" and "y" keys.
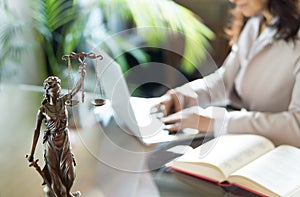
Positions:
{"x": 287, "y": 26}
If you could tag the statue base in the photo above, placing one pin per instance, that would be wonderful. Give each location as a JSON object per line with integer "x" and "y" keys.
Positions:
{"x": 49, "y": 193}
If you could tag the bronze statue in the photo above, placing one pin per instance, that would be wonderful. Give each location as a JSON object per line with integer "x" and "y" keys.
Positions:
{"x": 59, "y": 170}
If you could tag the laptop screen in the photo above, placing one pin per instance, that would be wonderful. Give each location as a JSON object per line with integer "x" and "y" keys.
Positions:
{"x": 116, "y": 91}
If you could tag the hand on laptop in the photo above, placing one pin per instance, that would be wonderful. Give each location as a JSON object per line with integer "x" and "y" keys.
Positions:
{"x": 174, "y": 101}
{"x": 193, "y": 117}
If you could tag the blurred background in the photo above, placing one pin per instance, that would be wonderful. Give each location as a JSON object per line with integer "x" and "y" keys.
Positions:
{"x": 35, "y": 34}
{"x": 170, "y": 42}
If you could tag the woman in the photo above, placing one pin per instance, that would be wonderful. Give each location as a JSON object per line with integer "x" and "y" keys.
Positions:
{"x": 260, "y": 78}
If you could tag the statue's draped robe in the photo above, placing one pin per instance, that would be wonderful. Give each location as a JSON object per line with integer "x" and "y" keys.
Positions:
{"x": 59, "y": 161}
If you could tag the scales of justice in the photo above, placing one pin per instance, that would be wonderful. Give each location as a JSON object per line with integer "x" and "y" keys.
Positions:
{"x": 58, "y": 173}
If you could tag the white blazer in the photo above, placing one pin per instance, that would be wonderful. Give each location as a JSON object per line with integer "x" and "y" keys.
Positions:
{"x": 262, "y": 76}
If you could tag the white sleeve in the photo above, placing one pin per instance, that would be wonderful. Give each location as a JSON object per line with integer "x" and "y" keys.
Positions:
{"x": 281, "y": 127}
{"x": 214, "y": 89}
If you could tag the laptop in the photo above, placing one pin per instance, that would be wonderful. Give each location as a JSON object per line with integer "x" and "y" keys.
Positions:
{"x": 133, "y": 114}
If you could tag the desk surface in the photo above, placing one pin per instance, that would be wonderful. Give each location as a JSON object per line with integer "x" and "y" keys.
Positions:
{"x": 102, "y": 169}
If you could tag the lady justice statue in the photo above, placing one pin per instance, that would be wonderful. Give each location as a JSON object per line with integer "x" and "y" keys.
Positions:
{"x": 59, "y": 170}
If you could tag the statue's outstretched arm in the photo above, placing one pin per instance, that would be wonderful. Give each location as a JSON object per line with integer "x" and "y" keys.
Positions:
{"x": 80, "y": 82}
{"x": 82, "y": 69}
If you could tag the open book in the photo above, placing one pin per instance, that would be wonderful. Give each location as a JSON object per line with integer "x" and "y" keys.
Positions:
{"x": 248, "y": 161}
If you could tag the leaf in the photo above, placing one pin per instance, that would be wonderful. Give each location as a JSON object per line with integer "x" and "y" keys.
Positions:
{"x": 53, "y": 14}
{"x": 173, "y": 18}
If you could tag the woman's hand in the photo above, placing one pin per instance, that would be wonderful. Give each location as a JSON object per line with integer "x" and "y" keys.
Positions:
{"x": 175, "y": 100}
{"x": 193, "y": 117}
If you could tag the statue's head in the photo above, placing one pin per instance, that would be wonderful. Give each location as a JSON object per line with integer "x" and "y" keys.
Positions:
{"x": 52, "y": 86}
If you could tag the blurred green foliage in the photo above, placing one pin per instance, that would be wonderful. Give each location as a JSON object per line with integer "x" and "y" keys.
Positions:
{"x": 63, "y": 26}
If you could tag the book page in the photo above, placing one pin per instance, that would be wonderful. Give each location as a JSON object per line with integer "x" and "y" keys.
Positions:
{"x": 229, "y": 152}
{"x": 278, "y": 171}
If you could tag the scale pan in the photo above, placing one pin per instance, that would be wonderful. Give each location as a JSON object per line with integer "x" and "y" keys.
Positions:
{"x": 72, "y": 102}
{"x": 98, "y": 102}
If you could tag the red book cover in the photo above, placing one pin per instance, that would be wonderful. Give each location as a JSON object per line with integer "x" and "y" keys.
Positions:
{"x": 221, "y": 184}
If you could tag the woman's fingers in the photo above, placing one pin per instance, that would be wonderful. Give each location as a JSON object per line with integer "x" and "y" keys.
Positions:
{"x": 163, "y": 106}
{"x": 187, "y": 118}
{"x": 173, "y": 101}
{"x": 178, "y": 101}
{"x": 173, "y": 122}
{"x": 171, "y": 119}
{"x": 173, "y": 128}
